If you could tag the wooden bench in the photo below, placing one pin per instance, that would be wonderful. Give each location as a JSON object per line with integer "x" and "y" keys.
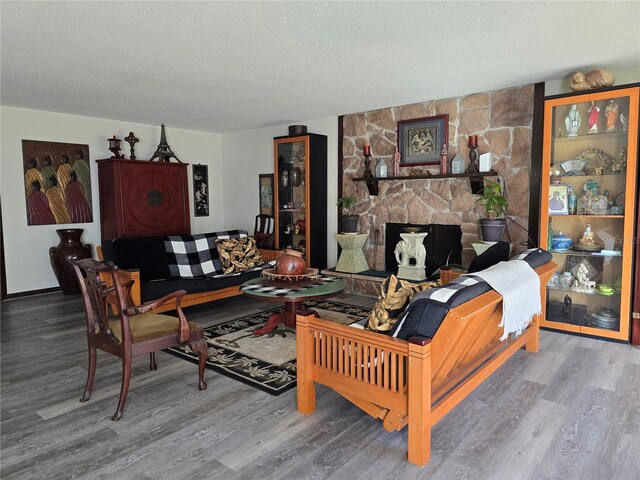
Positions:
{"x": 413, "y": 383}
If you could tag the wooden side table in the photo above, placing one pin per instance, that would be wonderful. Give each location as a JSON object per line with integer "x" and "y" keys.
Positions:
{"x": 352, "y": 259}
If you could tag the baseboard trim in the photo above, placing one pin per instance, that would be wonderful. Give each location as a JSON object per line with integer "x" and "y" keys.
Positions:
{"x": 32, "y": 293}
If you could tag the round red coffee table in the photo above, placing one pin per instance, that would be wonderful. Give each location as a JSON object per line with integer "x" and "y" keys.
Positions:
{"x": 293, "y": 294}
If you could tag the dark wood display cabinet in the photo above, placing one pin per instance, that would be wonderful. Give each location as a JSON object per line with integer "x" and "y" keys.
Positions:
{"x": 139, "y": 198}
{"x": 300, "y": 167}
{"x": 588, "y": 210}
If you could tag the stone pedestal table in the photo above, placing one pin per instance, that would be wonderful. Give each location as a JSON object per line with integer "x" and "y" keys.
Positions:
{"x": 352, "y": 259}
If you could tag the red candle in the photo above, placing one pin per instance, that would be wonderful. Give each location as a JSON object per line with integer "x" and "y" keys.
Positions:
{"x": 473, "y": 140}
{"x": 366, "y": 150}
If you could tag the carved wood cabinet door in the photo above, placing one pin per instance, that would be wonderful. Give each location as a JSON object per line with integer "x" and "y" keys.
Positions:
{"x": 139, "y": 198}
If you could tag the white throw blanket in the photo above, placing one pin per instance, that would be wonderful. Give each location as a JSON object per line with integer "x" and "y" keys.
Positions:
{"x": 519, "y": 286}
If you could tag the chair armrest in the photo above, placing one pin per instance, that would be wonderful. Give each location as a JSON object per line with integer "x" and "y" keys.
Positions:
{"x": 146, "y": 307}
{"x": 152, "y": 305}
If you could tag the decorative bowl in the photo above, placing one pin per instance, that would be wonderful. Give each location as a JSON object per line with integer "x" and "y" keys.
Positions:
{"x": 561, "y": 242}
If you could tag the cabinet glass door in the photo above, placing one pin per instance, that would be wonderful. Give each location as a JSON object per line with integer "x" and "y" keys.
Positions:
{"x": 291, "y": 196}
{"x": 587, "y": 210}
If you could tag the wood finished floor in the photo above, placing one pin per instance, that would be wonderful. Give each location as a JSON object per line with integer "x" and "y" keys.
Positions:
{"x": 572, "y": 411}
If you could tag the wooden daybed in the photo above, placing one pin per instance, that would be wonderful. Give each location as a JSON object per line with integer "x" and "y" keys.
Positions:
{"x": 189, "y": 299}
{"x": 416, "y": 382}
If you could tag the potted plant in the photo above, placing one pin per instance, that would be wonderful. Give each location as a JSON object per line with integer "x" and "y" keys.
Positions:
{"x": 495, "y": 205}
{"x": 348, "y": 221}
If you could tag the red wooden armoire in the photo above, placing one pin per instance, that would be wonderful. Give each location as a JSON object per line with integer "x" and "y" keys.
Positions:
{"x": 141, "y": 198}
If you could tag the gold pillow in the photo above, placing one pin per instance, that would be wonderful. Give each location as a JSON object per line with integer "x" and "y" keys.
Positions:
{"x": 238, "y": 254}
{"x": 395, "y": 295}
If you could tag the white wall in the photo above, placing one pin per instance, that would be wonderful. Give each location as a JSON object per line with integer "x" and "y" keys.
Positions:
{"x": 27, "y": 247}
{"x": 247, "y": 154}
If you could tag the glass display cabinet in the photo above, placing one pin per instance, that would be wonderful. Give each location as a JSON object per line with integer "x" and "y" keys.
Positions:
{"x": 300, "y": 171}
{"x": 588, "y": 210}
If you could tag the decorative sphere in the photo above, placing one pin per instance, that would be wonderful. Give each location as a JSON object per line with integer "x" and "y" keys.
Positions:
{"x": 290, "y": 263}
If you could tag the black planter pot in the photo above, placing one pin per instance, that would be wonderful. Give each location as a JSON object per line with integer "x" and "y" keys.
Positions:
{"x": 349, "y": 223}
{"x": 492, "y": 230}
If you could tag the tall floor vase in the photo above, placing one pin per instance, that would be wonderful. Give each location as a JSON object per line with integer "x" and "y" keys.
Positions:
{"x": 62, "y": 257}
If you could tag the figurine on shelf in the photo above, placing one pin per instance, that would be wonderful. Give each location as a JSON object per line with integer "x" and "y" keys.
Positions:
{"x": 582, "y": 282}
{"x": 573, "y": 121}
{"x": 611, "y": 112}
{"x": 396, "y": 164}
{"x": 588, "y": 238}
{"x": 132, "y": 140}
{"x": 444, "y": 166}
{"x": 620, "y": 163}
{"x": 625, "y": 122}
{"x": 566, "y": 306}
{"x": 366, "y": 153}
{"x": 594, "y": 114}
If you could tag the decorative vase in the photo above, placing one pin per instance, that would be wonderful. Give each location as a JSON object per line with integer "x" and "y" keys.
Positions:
{"x": 561, "y": 242}
{"x": 566, "y": 279}
{"x": 290, "y": 263}
{"x": 62, "y": 257}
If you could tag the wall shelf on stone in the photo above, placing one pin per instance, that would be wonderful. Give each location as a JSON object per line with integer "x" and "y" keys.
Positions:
{"x": 475, "y": 179}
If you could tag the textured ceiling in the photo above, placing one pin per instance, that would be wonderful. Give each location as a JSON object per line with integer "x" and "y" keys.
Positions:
{"x": 228, "y": 66}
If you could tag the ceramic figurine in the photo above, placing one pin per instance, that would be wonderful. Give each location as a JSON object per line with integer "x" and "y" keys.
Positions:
{"x": 573, "y": 121}
{"x": 381, "y": 169}
{"x": 594, "y": 114}
{"x": 611, "y": 112}
{"x": 593, "y": 79}
{"x": 396, "y": 164}
{"x": 582, "y": 282}
{"x": 625, "y": 122}
{"x": 457, "y": 164}
{"x": 567, "y": 304}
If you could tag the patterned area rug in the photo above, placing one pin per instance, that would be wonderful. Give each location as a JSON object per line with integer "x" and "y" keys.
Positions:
{"x": 267, "y": 362}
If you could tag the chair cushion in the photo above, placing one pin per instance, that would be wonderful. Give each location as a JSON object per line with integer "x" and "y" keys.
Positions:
{"x": 238, "y": 254}
{"x": 395, "y": 295}
{"x": 491, "y": 256}
{"x": 149, "y": 325}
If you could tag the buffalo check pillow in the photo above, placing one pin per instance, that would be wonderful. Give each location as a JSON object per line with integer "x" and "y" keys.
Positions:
{"x": 191, "y": 256}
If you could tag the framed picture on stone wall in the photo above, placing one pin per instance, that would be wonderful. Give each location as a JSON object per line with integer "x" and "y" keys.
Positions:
{"x": 420, "y": 140}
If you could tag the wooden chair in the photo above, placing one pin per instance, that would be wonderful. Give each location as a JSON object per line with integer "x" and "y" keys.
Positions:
{"x": 135, "y": 331}
{"x": 263, "y": 231}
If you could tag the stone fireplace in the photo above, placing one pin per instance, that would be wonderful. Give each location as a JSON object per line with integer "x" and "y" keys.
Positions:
{"x": 503, "y": 121}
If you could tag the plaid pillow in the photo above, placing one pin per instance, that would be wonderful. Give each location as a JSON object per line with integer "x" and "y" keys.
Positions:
{"x": 191, "y": 256}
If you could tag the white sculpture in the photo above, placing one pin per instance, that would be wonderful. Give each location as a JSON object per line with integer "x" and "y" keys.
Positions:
{"x": 573, "y": 121}
{"x": 582, "y": 282}
{"x": 411, "y": 246}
